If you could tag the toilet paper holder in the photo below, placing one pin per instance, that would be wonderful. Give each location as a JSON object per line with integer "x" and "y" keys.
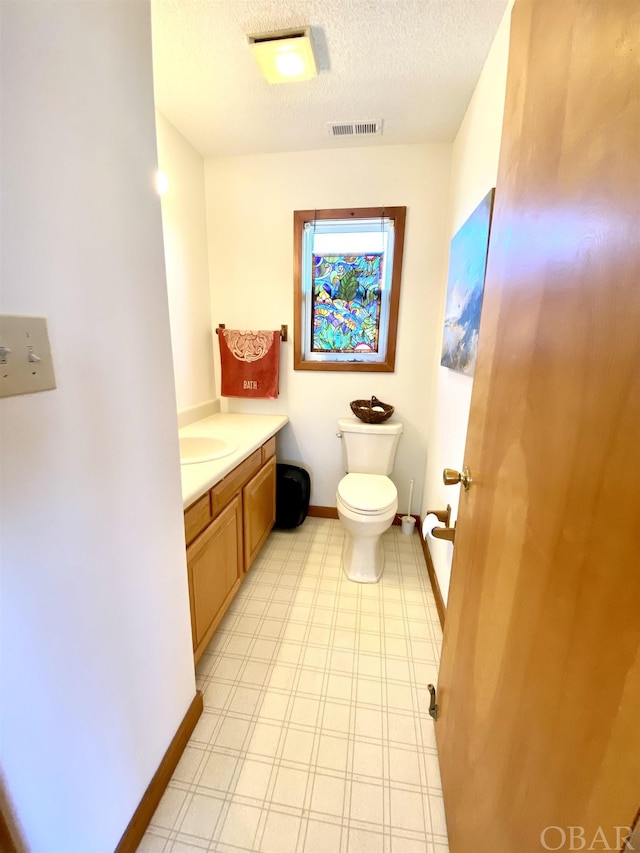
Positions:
{"x": 447, "y": 532}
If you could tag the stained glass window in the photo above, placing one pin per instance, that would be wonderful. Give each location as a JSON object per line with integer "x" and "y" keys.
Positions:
{"x": 347, "y": 288}
{"x": 346, "y": 295}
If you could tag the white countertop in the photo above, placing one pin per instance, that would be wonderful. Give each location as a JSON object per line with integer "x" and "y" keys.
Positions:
{"x": 248, "y": 432}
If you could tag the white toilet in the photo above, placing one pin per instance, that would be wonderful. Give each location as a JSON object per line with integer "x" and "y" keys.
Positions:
{"x": 367, "y": 500}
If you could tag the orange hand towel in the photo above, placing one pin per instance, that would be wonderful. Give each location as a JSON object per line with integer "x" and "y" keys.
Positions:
{"x": 250, "y": 363}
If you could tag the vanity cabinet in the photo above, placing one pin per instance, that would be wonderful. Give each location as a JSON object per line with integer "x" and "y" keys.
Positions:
{"x": 224, "y": 531}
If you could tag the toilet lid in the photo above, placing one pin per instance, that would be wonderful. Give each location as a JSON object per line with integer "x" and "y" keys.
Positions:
{"x": 367, "y": 493}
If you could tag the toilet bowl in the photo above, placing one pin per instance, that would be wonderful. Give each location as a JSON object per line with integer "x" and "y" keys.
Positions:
{"x": 367, "y": 505}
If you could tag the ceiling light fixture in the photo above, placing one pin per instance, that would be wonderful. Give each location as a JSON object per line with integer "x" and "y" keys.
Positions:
{"x": 284, "y": 57}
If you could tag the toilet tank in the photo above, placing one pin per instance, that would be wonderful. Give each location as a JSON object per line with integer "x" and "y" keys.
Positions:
{"x": 368, "y": 448}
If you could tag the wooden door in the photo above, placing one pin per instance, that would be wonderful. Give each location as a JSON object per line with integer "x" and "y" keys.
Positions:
{"x": 214, "y": 564}
{"x": 539, "y": 686}
{"x": 259, "y": 510}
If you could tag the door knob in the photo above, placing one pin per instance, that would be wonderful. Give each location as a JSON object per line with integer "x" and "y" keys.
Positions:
{"x": 450, "y": 477}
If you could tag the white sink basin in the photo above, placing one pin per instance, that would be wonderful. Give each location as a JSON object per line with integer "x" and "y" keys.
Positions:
{"x": 201, "y": 448}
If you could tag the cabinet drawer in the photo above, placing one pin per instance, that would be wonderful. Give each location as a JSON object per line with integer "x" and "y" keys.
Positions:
{"x": 268, "y": 449}
{"x": 233, "y": 482}
{"x": 196, "y": 518}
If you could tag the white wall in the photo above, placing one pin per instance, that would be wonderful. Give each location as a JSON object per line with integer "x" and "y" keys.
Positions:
{"x": 97, "y": 669}
{"x": 186, "y": 258}
{"x": 250, "y": 204}
{"x": 474, "y": 170}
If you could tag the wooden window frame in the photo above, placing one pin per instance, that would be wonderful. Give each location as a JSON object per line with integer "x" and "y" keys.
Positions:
{"x": 300, "y": 219}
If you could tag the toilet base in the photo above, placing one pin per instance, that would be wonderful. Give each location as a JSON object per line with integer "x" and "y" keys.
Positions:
{"x": 362, "y": 560}
{"x": 363, "y": 552}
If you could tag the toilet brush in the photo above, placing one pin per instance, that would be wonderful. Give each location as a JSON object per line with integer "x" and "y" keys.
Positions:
{"x": 408, "y": 521}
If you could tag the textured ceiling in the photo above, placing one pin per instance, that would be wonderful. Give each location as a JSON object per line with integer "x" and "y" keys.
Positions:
{"x": 412, "y": 63}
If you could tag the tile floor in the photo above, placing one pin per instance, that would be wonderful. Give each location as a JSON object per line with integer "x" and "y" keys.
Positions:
{"x": 315, "y": 734}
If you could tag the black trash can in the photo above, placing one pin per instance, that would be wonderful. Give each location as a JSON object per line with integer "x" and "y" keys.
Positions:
{"x": 293, "y": 487}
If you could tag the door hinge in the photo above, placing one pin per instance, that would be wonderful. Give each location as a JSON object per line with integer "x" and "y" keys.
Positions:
{"x": 433, "y": 708}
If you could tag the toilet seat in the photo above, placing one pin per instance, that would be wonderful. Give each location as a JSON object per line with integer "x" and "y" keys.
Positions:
{"x": 368, "y": 494}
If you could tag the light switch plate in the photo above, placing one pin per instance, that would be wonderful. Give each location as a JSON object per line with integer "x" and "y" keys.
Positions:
{"x": 25, "y": 356}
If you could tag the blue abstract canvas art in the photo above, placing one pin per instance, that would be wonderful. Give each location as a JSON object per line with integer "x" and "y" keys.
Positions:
{"x": 465, "y": 286}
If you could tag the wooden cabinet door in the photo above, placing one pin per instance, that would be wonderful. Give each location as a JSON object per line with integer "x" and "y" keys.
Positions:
{"x": 259, "y": 507}
{"x": 539, "y": 687}
{"x": 214, "y": 563}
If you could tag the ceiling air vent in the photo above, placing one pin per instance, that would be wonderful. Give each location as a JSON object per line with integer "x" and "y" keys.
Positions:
{"x": 373, "y": 127}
